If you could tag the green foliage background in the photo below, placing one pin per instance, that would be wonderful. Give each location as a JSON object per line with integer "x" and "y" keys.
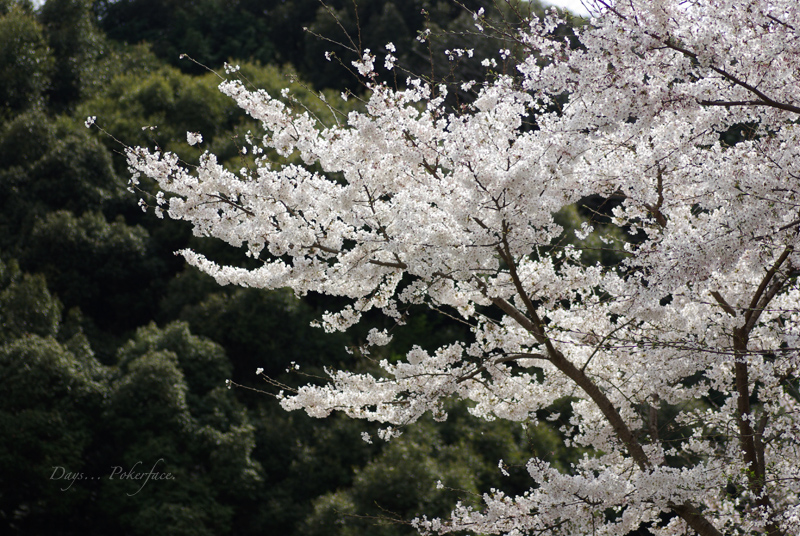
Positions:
{"x": 113, "y": 354}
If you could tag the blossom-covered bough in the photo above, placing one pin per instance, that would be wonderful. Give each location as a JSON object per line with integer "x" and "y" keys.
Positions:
{"x": 414, "y": 203}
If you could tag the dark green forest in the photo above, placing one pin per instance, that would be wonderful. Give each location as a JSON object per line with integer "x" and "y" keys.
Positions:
{"x": 114, "y": 355}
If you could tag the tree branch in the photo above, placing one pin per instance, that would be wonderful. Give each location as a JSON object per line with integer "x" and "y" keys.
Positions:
{"x": 536, "y": 327}
{"x": 722, "y": 303}
{"x": 764, "y": 100}
{"x": 655, "y": 210}
{"x": 768, "y": 102}
{"x": 760, "y": 299}
{"x": 752, "y": 446}
{"x": 507, "y": 359}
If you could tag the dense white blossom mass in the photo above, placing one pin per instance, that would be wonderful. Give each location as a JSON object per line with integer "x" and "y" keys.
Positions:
{"x": 413, "y": 202}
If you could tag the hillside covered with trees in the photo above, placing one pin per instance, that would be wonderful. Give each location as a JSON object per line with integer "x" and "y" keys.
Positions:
{"x": 115, "y": 355}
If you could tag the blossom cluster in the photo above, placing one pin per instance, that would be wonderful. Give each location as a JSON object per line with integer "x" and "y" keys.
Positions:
{"x": 411, "y": 202}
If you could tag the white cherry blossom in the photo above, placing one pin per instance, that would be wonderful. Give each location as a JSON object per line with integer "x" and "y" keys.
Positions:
{"x": 681, "y": 362}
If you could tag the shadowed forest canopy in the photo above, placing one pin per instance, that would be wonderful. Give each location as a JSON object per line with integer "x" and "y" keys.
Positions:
{"x": 114, "y": 353}
{"x": 300, "y": 32}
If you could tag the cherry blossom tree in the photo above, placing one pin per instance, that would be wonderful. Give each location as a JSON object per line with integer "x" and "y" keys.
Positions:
{"x": 681, "y": 363}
